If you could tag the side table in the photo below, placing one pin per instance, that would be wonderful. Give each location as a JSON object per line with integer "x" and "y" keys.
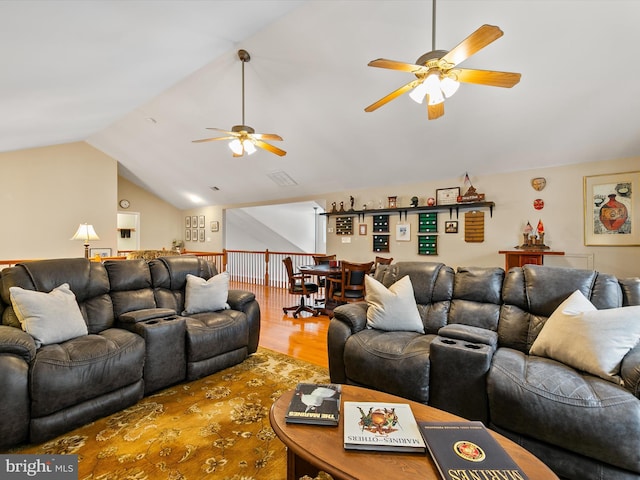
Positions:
{"x": 518, "y": 258}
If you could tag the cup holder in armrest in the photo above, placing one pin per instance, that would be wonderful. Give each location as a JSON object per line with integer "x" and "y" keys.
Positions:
{"x": 448, "y": 342}
{"x": 470, "y": 345}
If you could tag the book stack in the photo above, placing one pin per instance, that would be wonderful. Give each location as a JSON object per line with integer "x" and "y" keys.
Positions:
{"x": 463, "y": 450}
{"x": 382, "y": 427}
{"x": 315, "y": 404}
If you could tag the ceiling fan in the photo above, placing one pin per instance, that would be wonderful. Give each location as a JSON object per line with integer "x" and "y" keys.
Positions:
{"x": 436, "y": 74}
{"x": 243, "y": 137}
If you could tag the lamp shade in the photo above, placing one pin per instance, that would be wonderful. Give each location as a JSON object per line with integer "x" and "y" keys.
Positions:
{"x": 85, "y": 232}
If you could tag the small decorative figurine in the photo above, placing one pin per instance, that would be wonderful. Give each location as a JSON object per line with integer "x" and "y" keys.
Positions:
{"x": 341, "y": 206}
{"x": 538, "y": 204}
{"x": 393, "y": 202}
{"x": 414, "y": 201}
{"x": 351, "y": 202}
{"x": 431, "y": 201}
{"x": 533, "y": 240}
{"x": 470, "y": 195}
{"x": 333, "y": 208}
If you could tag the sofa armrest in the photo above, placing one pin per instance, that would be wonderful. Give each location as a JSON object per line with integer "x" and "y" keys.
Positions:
{"x": 16, "y": 342}
{"x": 354, "y": 315}
{"x": 630, "y": 371}
{"x": 467, "y": 333}
{"x": 145, "y": 314}
{"x": 238, "y": 299}
{"x": 245, "y": 301}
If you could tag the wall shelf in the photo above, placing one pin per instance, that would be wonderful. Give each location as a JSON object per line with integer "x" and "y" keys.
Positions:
{"x": 455, "y": 207}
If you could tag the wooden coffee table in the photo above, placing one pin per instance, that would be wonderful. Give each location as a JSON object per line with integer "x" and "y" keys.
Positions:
{"x": 311, "y": 448}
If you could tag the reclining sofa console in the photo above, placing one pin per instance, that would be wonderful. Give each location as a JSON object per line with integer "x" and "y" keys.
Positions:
{"x": 138, "y": 340}
{"x": 474, "y": 360}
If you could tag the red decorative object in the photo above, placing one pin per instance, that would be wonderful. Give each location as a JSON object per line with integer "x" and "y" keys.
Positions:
{"x": 538, "y": 204}
{"x": 613, "y": 214}
{"x": 431, "y": 201}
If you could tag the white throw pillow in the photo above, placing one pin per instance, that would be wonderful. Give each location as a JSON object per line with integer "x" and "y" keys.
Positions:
{"x": 206, "y": 295}
{"x": 52, "y": 317}
{"x": 587, "y": 339}
{"x": 393, "y": 308}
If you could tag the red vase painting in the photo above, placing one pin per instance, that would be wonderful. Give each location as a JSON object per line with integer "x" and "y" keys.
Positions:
{"x": 613, "y": 214}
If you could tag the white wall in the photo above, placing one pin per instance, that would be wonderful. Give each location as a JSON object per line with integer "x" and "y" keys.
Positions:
{"x": 47, "y": 192}
{"x": 160, "y": 222}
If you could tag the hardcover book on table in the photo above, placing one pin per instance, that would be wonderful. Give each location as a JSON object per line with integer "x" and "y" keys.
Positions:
{"x": 381, "y": 426}
{"x": 315, "y": 403}
{"x": 465, "y": 450}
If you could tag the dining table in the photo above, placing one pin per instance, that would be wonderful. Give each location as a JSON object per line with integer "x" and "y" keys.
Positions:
{"x": 323, "y": 270}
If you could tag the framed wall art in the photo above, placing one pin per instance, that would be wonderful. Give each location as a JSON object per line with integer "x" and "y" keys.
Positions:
{"x": 200, "y": 221}
{"x": 187, "y": 222}
{"x": 447, "y": 196}
{"x": 187, "y": 235}
{"x": 194, "y": 221}
{"x": 100, "y": 252}
{"x": 194, "y": 235}
{"x": 403, "y": 232}
{"x": 201, "y": 237}
{"x": 612, "y": 209}
{"x": 215, "y": 226}
{"x": 362, "y": 229}
{"x": 451, "y": 226}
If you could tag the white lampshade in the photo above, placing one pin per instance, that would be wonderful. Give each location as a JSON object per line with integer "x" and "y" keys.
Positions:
{"x": 85, "y": 232}
{"x": 449, "y": 86}
{"x": 249, "y": 147}
{"x": 236, "y": 146}
{"x": 418, "y": 93}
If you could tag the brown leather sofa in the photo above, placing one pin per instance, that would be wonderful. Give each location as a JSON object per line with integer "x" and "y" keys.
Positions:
{"x": 138, "y": 341}
{"x": 473, "y": 360}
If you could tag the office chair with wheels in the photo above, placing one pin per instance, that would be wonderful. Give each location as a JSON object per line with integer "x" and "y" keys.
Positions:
{"x": 298, "y": 285}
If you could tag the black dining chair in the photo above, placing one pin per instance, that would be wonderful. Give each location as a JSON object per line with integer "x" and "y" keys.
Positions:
{"x": 350, "y": 286}
{"x": 298, "y": 285}
{"x": 322, "y": 282}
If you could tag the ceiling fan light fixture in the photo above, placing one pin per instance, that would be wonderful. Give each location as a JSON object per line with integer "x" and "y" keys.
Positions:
{"x": 418, "y": 93}
{"x": 449, "y": 86}
{"x": 236, "y": 146}
{"x": 249, "y": 147}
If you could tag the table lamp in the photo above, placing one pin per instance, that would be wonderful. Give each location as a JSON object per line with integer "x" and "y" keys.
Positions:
{"x": 85, "y": 232}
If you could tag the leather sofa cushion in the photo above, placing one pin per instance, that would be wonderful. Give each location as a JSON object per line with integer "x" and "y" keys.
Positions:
{"x": 66, "y": 374}
{"x": 393, "y": 362}
{"x": 213, "y": 333}
{"x": 551, "y": 402}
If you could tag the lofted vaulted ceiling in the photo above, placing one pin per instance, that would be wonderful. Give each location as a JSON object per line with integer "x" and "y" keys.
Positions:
{"x": 140, "y": 80}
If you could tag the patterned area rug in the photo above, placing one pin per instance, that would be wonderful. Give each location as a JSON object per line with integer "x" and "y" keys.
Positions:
{"x": 216, "y": 427}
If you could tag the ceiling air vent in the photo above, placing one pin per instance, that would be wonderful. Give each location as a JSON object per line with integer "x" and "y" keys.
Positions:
{"x": 282, "y": 179}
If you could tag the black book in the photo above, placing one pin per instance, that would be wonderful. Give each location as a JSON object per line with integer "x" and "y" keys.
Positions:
{"x": 315, "y": 403}
{"x": 463, "y": 450}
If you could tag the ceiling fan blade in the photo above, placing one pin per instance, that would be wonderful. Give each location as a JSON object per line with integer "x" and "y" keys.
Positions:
{"x": 393, "y": 65}
{"x": 213, "y": 139}
{"x": 266, "y": 136}
{"x": 479, "y": 39}
{"x": 392, "y": 95}
{"x": 270, "y": 148}
{"x": 435, "y": 111}
{"x": 487, "y": 77}
{"x": 221, "y": 130}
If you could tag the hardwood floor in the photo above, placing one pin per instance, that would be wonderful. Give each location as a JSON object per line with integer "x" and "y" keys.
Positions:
{"x": 304, "y": 337}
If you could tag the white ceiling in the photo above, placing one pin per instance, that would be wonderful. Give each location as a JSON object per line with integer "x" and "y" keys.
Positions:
{"x": 140, "y": 80}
